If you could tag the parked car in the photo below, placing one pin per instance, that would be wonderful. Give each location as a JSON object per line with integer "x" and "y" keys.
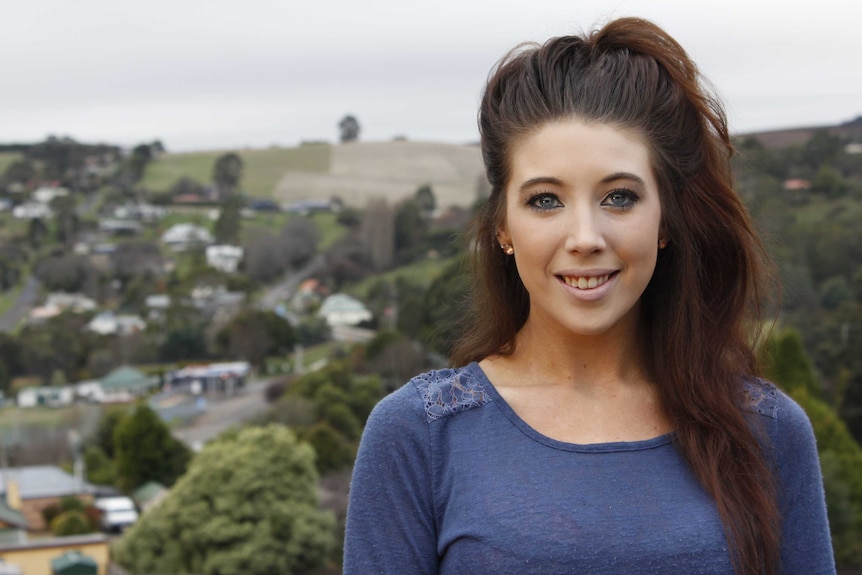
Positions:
{"x": 117, "y": 513}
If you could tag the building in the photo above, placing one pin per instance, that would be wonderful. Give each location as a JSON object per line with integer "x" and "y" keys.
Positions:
{"x": 342, "y": 309}
{"x": 224, "y": 257}
{"x": 222, "y": 378}
{"x": 126, "y": 384}
{"x": 186, "y": 236}
{"x": 30, "y": 490}
{"x": 108, "y": 323}
{"x": 46, "y": 396}
{"x": 57, "y": 555}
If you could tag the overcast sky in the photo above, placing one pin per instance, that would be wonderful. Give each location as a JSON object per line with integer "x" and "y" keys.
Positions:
{"x": 220, "y": 74}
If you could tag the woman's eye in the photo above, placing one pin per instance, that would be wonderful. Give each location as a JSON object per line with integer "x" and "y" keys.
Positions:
{"x": 620, "y": 199}
{"x": 544, "y": 201}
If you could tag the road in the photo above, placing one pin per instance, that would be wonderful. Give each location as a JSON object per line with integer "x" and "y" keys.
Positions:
{"x": 287, "y": 285}
{"x": 224, "y": 413}
{"x": 21, "y": 307}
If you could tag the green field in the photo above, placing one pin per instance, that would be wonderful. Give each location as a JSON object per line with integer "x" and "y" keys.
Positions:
{"x": 7, "y": 158}
{"x": 262, "y": 168}
{"x": 422, "y": 273}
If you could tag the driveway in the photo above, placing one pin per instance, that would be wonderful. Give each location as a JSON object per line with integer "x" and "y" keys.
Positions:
{"x": 224, "y": 413}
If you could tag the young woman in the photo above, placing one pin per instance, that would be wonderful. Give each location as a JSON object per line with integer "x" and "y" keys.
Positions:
{"x": 606, "y": 417}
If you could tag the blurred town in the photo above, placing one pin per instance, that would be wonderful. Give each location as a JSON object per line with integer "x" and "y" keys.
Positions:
{"x": 190, "y": 343}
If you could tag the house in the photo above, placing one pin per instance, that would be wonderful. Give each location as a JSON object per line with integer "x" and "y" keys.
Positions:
{"x": 32, "y": 211}
{"x": 106, "y": 323}
{"x": 306, "y": 207}
{"x": 224, "y": 377}
{"x": 90, "y": 390}
{"x": 185, "y": 236}
{"x": 342, "y": 309}
{"x": 46, "y": 396}
{"x": 149, "y": 495}
{"x": 157, "y": 306}
{"x": 75, "y": 302}
{"x": 57, "y": 555}
{"x": 224, "y": 258}
{"x": 57, "y": 303}
{"x": 30, "y": 490}
{"x": 45, "y": 195}
{"x": 119, "y": 227}
{"x": 126, "y": 384}
{"x": 13, "y": 526}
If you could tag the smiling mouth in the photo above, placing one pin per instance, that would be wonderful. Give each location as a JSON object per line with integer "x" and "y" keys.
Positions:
{"x": 586, "y": 282}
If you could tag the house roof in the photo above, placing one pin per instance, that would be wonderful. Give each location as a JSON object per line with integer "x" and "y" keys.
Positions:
{"x": 43, "y": 481}
{"x": 126, "y": 378}
{"x": 65, "y": 562}
{"x": 147, "y": 491}
{"x": 341, "y": 303}
{"x": 11, "y": 517}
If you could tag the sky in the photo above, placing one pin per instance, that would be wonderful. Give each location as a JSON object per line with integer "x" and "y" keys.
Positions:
{"x": 232, "y": 74}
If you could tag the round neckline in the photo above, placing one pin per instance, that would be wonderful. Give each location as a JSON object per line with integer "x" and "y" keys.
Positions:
{"x": 529, "y": 431}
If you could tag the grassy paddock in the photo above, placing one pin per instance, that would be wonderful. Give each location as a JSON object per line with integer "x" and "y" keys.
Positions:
{"x": 262, "y": 168}
{"x": 422, "y": 273}
{"x": 6, "y": 158}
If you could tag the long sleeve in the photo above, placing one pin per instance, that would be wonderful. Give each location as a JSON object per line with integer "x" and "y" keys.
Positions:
{"x": 390, "y": 513}
{"x": 806, "y": 543}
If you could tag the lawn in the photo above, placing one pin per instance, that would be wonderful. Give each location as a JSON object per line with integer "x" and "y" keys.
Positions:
{"x": 262, "y": 169}
{"x": 421, "y": 273}
{"x": 6, "y": 158}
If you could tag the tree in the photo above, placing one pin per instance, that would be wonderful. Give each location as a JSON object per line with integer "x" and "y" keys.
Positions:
{"x": 840, "y": 455}
{"x": 145, "y": 451}
{"x": 248, "y": 505}
{"x": 299, "y": 238}
{"x": 378, "y": 233}
{"x": 349, "y": 128}
{"x": 254, "y": 334}
{"x": 227, "y": 226}
{"x": 19, "y": 172}
{"x": 66, "y": 219}
{"x": 139, "y": 160}
{"x": 426, "y": 199}
{"x": 410, "y": 228}
{"x": 227, "y": 173}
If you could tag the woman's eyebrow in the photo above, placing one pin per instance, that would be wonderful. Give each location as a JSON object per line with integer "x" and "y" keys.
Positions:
{"x": 622, "y": 176}
{"x": 540, "y": 180}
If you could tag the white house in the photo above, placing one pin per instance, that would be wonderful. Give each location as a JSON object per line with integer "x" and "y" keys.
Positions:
{"x": 224, "y": 258}
{"x": 46, "y": 396}
{"x": 341, "y": 309}
{"x": 106, "y": 323}
{"x": 90, "y": 390}
{"x": 31, "y": 211}
{"x": 45, "y": 194}
{"x": 75, "y": 302}
{"x": 183, "y": 236}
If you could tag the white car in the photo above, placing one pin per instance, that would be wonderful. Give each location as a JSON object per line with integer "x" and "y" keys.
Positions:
{"x": 117, "y": 513}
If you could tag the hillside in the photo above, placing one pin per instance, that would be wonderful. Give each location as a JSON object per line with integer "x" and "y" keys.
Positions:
{"x": 355, "y": 172}
{"x": 360, "y": 171}
{"x": 777, "y": 139}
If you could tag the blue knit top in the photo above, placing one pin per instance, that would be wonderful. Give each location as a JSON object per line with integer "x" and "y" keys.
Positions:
{"x": 449, "y": 480}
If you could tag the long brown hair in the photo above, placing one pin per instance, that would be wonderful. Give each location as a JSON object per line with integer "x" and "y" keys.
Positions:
{"x": 708, "y": 281}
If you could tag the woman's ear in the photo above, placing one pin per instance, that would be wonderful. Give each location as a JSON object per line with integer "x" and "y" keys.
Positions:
{"x": 503, "y": 237}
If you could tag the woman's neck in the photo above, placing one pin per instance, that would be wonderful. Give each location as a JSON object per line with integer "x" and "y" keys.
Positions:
{"x": 607, "y": 360}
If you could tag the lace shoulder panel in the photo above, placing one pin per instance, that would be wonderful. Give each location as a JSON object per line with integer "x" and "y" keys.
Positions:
{"x": 762, "y": 397}
{"x": 446, "y": 392}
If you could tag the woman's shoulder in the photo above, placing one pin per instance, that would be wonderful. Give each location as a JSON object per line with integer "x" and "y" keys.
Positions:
{"x": 436, "y": 394}
{"x": 788, "y": 425}
{"x": 765, "y": 398}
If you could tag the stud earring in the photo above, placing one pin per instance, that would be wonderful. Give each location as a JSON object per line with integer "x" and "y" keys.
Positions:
{"x": 662, "y": 243}
{"x": 508, "y": 249}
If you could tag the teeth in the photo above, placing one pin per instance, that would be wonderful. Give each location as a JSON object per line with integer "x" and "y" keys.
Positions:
{"x": 586, "y": 283}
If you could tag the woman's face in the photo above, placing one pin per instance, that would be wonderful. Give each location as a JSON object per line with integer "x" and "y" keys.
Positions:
{"x": 583, "y": 216}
